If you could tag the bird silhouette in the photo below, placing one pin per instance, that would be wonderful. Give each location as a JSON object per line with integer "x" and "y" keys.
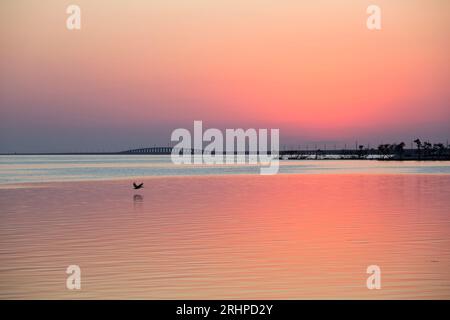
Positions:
{"x": 138, "y": 186}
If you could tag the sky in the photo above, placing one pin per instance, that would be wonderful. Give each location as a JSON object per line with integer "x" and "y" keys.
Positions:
{"x": 137, "y": 70}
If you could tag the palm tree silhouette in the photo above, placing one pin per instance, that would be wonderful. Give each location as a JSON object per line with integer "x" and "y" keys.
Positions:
{"x": 419, "y": 146}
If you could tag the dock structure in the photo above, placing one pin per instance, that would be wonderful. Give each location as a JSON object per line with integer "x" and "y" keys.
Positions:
{"x": 406, "y": 154}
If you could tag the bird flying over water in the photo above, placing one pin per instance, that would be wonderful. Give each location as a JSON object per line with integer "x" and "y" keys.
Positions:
{"x": 138, "y": 186}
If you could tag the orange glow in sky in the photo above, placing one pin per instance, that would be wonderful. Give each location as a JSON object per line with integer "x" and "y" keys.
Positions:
{"x": 138, "y": 69}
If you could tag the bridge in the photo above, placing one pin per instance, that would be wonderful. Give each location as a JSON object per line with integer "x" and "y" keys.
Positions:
{"x": 162, "y": 150}
{"x": 168, "y": 150}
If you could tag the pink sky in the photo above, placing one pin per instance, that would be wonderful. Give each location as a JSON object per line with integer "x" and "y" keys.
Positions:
{"x": 139, "y": 69}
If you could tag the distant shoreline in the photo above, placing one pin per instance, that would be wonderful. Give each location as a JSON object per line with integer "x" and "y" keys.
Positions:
{"x": 285, "y": 155}
{"x": 59, "y": 153}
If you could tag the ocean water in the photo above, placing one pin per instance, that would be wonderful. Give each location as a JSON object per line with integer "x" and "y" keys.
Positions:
{"x": 29, "y": 169}
{"x": 198, "y": 232}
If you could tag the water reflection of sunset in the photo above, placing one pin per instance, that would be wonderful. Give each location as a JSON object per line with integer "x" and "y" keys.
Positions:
{"x": 286, "y": 236}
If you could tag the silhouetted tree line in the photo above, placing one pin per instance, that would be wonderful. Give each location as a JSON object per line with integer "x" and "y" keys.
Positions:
{"x": 424, "y": 151}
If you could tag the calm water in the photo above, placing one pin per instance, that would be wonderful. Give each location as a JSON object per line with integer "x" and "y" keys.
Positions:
{"x": 220, "y": 232}
{"x": 25, "y": 169}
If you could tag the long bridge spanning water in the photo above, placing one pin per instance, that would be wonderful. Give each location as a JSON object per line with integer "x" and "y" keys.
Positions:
{"x": 169, "y": 150}
{"x": 293, "y": 152}
{"x": 162, "y": 151}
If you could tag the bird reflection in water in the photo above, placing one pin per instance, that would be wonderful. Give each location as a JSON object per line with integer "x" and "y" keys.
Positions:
{"x": 138, "y": 201}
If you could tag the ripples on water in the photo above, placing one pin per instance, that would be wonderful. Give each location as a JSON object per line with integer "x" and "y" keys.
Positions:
{"x": 228, "y": 236}
{"x": 24, "y": 169}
